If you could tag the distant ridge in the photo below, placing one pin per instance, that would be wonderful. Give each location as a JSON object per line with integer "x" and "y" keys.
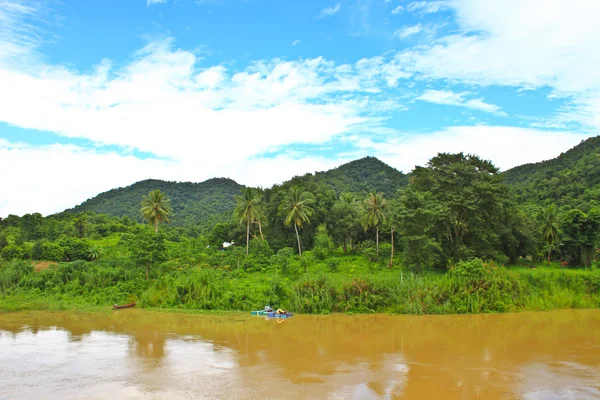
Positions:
{"x": 200, "y": 204}
{"x": 574, "y": 174}
{"x": 207, "y": 203}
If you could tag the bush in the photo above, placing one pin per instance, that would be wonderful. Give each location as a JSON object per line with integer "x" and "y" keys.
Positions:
{"x": 13, "y": 252}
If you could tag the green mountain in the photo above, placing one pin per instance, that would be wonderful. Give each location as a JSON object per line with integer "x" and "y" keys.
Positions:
{"x": 207, "y": 203}
{"x": 200, "y": 204}
{"x": 363, "y": 176}
{"x": 572, "y": 179}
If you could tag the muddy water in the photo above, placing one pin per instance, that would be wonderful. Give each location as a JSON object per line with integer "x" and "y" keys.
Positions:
{"x": 135, "y": 354}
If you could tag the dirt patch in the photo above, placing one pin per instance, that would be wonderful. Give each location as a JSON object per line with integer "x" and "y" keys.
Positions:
{"x": 42, "y": 265}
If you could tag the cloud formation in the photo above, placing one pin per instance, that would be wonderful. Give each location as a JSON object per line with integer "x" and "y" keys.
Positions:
{"x": 329, "y": 11}
{"x": 458, "y": 99}
{"x": 199, "y": 121}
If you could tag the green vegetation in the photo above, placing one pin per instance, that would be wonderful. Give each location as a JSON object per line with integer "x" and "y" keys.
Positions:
{"x": 197, "y": 206}
{"x": 457, "y": 239}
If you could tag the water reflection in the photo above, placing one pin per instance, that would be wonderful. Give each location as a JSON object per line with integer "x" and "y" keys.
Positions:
{"x": 132, "y": 353}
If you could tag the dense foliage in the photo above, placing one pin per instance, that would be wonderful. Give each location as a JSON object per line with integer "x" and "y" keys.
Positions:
{"x": 196, "y": 205}
{"x": 362, "y": 237}
{"x": 571, "y": 180}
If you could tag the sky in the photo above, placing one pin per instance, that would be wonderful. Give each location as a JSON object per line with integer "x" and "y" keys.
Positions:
{"x": 99, "y": 94}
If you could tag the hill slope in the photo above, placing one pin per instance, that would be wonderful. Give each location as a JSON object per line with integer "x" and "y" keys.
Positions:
{"x": 571, "y": 178}
{"x": 362, "y": 176}
{"x": 201, "y": 204}
{"x": 207, "y": 203}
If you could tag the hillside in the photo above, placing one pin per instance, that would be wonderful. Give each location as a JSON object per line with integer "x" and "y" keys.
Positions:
{"x": 572, "y": 178}
{"x": 362, "y": 176}
{"x": 207, "y": 203}
{"x": 200, "y": 204}
{"x": 359, "y": 177}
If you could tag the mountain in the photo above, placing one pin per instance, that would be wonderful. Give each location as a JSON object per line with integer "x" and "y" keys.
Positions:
{"x": 572, "y": 178}
{"x": 363, "y": 176}
{"x": 200, "y": 204}
{"x": 204, "y": 204}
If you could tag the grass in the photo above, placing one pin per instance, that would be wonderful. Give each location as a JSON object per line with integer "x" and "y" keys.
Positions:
{"x": 338, "y": 283}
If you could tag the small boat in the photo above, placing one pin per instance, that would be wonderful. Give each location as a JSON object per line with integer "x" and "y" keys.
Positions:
{"x": 271, "y": 314}
{"x": 118, "y": 307}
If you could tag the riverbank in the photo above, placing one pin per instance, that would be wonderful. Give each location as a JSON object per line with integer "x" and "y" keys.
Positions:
{"x": 469, "y": 287}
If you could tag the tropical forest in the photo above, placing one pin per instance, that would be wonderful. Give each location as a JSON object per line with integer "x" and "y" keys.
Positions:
{"x": 455, "y": 235}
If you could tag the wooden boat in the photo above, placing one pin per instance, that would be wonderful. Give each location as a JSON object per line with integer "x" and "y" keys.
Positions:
{"x": 117, "y": 307}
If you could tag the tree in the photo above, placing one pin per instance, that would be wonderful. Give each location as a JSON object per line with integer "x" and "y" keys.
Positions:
{"x": 393, "y": 221}
{"x": 580, "y": 236}
{"x": 148, "y": 249}
{"x": 466, "y": 203}
{"x": 343, "y": 220}
{"x": 80, "y": 222}
{"x": 298, "y": 210}
{"x": 248, "y": 210}
{"x": 375, "y": 215}
{"x": 155, "y": 208}
{"x": 419, "y": 215}
{"x": 550, "y": 227}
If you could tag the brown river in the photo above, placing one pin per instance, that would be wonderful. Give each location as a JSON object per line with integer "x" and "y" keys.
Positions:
{"x": 137, "y": 354}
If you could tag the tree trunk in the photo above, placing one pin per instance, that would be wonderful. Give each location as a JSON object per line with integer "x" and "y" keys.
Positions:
{"x": 345, "y": 248}
{"x": 549, "y": 255}
{"x": 392, "y": 257}
{"x": 377, "y": 241}
{"x": 247, "y": 235}
{"x": 147, "y": 277}
{"x": 156, "y": 226}
{"x": 260, "y": 230}
{"x": 298, "y": 236}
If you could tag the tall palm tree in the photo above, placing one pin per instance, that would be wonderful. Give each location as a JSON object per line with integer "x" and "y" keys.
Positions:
{"x": 155, "y": 208}
{"x": 297, "y": 207}
{"x": 375, "y": 207}
{"x": 550, "y": 227}
{"x": 248, "y": 210}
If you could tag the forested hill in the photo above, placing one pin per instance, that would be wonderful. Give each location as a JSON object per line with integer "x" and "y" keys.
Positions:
{"x": 204, "y": 204}
{"x": 200, "y": 204}
{"x": 571, "y": 179}
{"x": 363, "y": 176}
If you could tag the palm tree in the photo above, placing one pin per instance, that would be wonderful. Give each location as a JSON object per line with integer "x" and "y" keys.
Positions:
{"x": 155, "y": 208}
{"x": 550, "y": 227}
{"x": 375, "y": 207}
{"x": 248, "y": 210}
{"x": 347, "y": 197}
{"x": 297, "y": 206}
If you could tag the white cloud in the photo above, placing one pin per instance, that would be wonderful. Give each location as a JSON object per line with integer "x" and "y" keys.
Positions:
{"x": 329, "y": 11}
{"x": 506, "y": 147}
{"x": 458, "y": 99}
{"x": 295, "y": 43}
{"x": 211, "y": 120}
{"x": 162, "y": 92}
{"x": 151, "y": 2}
{"x": 426, "y": 7}
{"x": 408, "y": 31}
{"x": 64, "y": 175}
{"x": 19, "y": 38}
{"x": 532, "y": 44}
{"x": 397, "y": 10}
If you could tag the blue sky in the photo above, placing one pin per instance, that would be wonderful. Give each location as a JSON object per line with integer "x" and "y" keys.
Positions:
{"x": 100, "y": 94}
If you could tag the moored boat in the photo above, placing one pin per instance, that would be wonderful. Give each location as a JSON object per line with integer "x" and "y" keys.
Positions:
{"x": 118, "y": 307}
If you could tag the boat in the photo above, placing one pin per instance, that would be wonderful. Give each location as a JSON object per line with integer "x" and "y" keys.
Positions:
{"x": 271, "y": 314}
{"x": 118, "y": 307}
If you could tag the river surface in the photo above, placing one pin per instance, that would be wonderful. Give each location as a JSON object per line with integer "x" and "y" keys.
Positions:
{"x": 137, "y": 354}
